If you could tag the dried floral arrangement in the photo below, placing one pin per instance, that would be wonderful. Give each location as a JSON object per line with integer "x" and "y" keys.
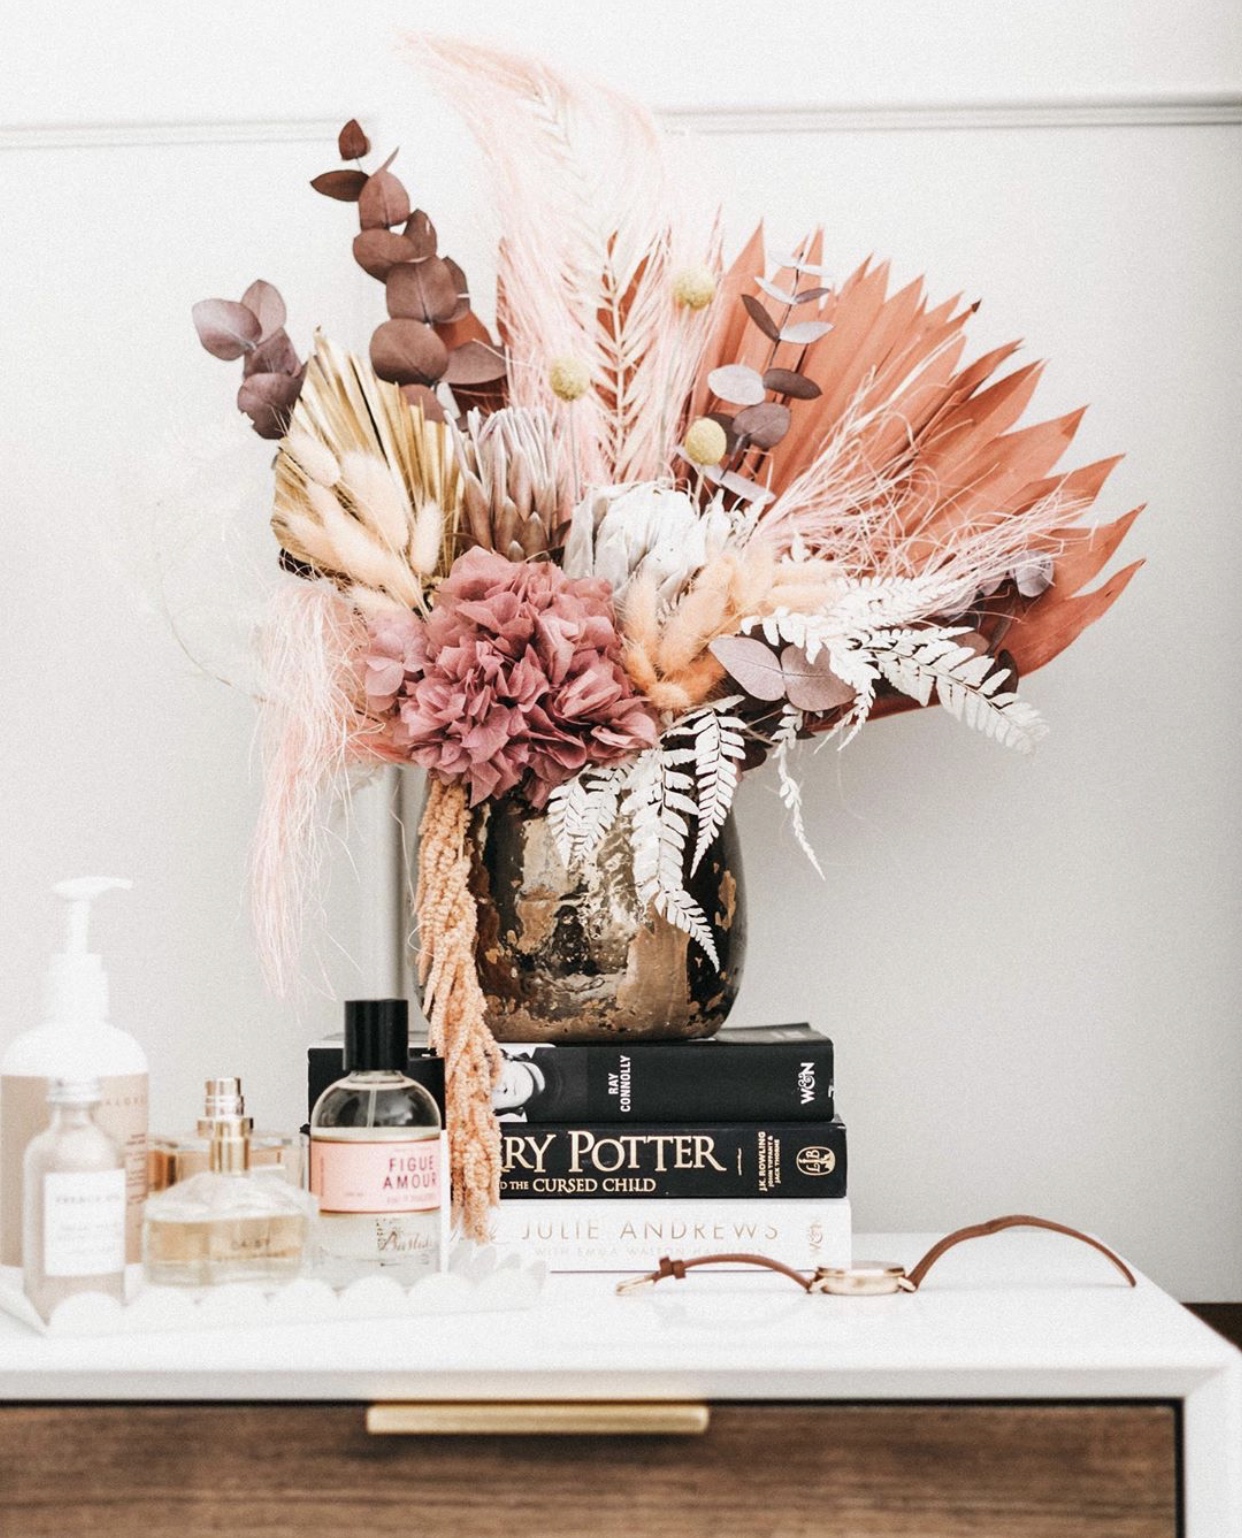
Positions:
{"x": 674, "y": 515}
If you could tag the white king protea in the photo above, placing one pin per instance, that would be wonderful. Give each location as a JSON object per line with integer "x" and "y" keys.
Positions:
{"x": 648, "y": 530}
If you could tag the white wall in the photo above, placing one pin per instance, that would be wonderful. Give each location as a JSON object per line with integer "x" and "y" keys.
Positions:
{"x": 1031, "y": 969}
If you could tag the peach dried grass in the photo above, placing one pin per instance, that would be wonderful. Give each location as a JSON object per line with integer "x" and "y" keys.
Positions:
{"x": 454, "y": 1005}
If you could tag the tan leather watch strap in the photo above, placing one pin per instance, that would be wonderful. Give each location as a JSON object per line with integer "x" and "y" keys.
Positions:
{"x": 677, "y": 1269}
{"x": 822, "y": 1280}
{"x": 914, "y": 1277}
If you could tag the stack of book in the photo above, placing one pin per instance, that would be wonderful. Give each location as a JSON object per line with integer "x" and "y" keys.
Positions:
{"x": 617, "y": 1153}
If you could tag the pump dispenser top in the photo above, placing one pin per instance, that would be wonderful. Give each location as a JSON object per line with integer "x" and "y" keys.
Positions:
{"x": 77, "y": 985}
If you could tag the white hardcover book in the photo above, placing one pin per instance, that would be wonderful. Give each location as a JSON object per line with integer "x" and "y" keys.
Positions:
{"x": 618, "y": 1235}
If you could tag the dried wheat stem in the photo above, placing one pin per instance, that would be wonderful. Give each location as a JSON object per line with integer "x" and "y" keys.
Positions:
{"x": 453, "y": 1003}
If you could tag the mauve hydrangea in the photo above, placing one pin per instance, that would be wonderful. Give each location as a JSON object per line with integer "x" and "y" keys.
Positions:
{"x": 514, "y": 679}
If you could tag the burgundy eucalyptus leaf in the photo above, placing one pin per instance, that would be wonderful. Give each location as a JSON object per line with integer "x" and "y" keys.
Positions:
{"x": 758, "y": 313}
{"x": 421, "y": 234}
{"x": 225, "y": 328}
{"x": 463, "y": 289}
{"x": 421, "y": 291}
{"x": 475, "y": 363}
{"x": 812, "y": 686}
{"x": 725, "y": 420}
{"x": 352, "y": 142}
{"x": 268, "y": 399}
{"x": 276, "y": 355}
{"x": 765, "y": 424}
{"x": 1006, "y": 665}
{"x": 755, "y": 666}
{"x": 427, "y": 401}
{"x": 783, "y": 381}
{"x": 344, "y": 186}
{"x": 804, "y": 331}
{"x": 737, "y": 384}
{"x": 268, "y": 307}
{"x": 408, "y": 352}
{"x": 378, "y": 251}
{"x": 809, "y": 294}
{"x": 383, "y": 202}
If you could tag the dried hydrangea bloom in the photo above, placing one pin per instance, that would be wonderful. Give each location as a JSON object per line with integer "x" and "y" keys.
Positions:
{"x": 514, "y": 680}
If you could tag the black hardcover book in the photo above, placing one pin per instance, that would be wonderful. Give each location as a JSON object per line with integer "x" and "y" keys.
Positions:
{"x": 734, "y": 1159}
{"x": 770, "y": 1073}
{"x": 758, "y": 1073}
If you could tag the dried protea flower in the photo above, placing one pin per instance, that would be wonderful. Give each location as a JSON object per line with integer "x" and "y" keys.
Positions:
{"x": 514, "y": 496}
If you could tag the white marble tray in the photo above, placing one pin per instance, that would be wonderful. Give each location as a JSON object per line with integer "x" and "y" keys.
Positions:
{"x": 477, "y": 1280}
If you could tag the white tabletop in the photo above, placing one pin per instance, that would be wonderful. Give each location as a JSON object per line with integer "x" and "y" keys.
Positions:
{"x": 1021, "y": 1315}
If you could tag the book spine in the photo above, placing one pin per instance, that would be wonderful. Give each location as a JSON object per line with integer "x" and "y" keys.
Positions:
{"x": 717, "y": 1160}
{"x": 707, "y": 1081}
{"x": 676, "y": 1081}
{"x": 632, "y": 1235}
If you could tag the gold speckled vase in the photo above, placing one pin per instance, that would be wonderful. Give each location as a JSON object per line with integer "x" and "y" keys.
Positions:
{"x": 574, "y": 957}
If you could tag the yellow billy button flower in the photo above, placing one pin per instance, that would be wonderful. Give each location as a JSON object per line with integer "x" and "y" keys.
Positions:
{"x": 695, "y": 287}
{"x": 705, "y": 442}
{"x": 569, "y": 378}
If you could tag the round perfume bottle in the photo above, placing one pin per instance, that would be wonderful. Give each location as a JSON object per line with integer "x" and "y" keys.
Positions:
{"x": 375, "y": 1154}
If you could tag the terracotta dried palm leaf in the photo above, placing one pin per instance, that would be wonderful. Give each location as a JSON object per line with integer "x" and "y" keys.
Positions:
{"x": 908, "y": 462}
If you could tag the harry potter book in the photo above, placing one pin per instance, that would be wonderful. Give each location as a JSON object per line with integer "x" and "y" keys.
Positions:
{"x": 656, "y": 1160}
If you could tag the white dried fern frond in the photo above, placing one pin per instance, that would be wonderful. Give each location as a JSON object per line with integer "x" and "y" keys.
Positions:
{"x": 783, "y": 741}
{"x": 967, "y": 683}
{"x": 582, "y": 811}
{"x": 719, "y": 747}
{"x": 660, "y": 807}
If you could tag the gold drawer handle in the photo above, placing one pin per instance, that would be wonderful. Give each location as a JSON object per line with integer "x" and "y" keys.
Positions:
{"x": 517, "y": 1418}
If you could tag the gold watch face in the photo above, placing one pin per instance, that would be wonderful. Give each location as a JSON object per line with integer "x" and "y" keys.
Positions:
{"x": 864, "y": 1279}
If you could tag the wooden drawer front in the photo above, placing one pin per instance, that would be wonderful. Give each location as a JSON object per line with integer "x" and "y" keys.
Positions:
{"x": 760, "y": 1471}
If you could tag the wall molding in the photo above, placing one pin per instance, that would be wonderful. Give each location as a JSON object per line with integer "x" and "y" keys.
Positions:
{"x": 1192, "y": 110}
{"x": 108, "y": 135}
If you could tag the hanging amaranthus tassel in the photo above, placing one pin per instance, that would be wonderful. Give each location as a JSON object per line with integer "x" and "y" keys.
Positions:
{"x": 453, "y": 1004}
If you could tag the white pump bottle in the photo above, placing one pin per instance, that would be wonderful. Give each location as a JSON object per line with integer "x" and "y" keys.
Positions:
{"x": 74, "y": 1041}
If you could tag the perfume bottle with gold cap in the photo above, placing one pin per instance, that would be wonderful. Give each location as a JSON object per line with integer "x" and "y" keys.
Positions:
{"x": 229, "y": 1223}
{"x": 174, "y": 1156}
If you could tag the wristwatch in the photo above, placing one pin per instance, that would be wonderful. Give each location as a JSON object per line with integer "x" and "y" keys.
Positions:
{"x": 868, "y": 1278}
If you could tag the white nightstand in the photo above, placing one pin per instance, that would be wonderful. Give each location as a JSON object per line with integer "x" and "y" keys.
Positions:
{"x": 1025, "y": 1390}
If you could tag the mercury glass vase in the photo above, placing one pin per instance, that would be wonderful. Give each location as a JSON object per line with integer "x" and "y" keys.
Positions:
{"x": 575, "y": 956}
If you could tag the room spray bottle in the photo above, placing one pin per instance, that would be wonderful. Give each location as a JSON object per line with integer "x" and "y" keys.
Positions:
{"x": 73, "y": 1236}
{"x": 75, "y": 1041}
{"x": 376, "y": 1154}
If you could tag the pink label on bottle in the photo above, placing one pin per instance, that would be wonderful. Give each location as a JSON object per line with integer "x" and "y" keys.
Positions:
{"x": 375, "y": 1177}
